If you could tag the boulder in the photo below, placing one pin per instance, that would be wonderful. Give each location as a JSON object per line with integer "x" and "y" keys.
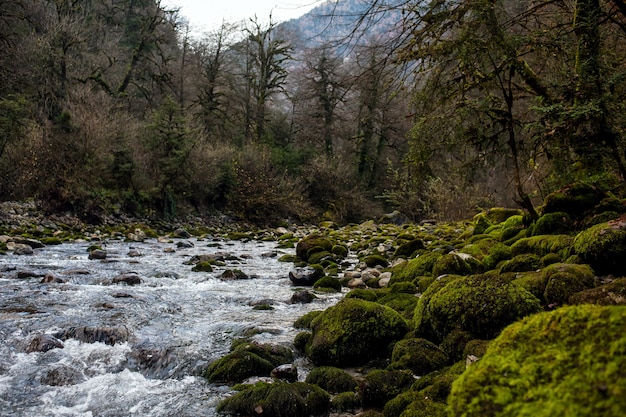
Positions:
{"x": 128, "y": 278}
{"x": 306, "y": 276}
{"x": 287, "y": 372}
{"x": 97, "y": 254}
{"x": 332, "y": 379}
{"x": 104, "y": 334}
{"x": 569, "y": 361}
{"x": 354, "y": 331}
{"x": 44, "y": 343}
{"x": 417, "y": 355}
{"x": 302, "y": 297}
{"x": 603, "y": 246}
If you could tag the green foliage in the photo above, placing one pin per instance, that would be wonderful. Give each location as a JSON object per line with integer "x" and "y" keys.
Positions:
{"x": 353, "y": 332}
{"x": 279, "y": 399}
{"x": 333, "y": 380}
{"x": 566, "y": 362}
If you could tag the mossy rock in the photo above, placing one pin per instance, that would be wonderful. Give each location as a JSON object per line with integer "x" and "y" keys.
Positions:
{"x": 512, "y": 227}
{"x": 319, "y": 256}
{"x": 340, "y": 250}
{"x": 407, "y": 249}
{"x": 334, "y": 380}
{"x": 476, "y": 347}
{"x": 549, "y": 259}
{"x": 363, "y": 294}
{"x": 457, "y": 264}
{"x": 570, "y": 361}
{"x": 421, "y": 318}
{"x": 328, "y": 283}
{"x": 533, "y": 282}
{"x": 574, "y": 200}
{"x": 612, "y": 293}
{"x": 317, "y": 242}
{"x": 521, "y": 263}
{"x": 403, "y": 303}
{"x": 279, "y": 399}
{"x": 354, "y": 331}
{"x": 479, "y": 304}
{"x": 604, "y": 247}
{"x": 375, "y": 260}
{"x": 304, "y": 322}
{"x": 403, "y": 287}
{"x": 543, "y": 245}
{"x": 238, "y": 366}
{"x": 563, "y": 280}
{"x": 422, "y": 283}
{"x": 417, "y": 355}
{"x": 346, "y": 402}
{"x": 454, "y": 344}
{"x": 202, "y": 267}
{"x": 553, "y": 224}
{"x": 481, "y": 224}
{"x": 288, "y": 258}
{"x": 498, "y": 215}
{"x": 301, "y": 341}
{"x": 414, "y": 404}
{"x": 49, "y": 241}
{"x": 381, "y": 386}
{"x": 420, "y": 266}
{"x": 498, "y": 253}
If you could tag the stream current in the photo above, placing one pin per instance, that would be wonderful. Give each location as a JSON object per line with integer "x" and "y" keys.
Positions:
{"x": 173, "y": 324}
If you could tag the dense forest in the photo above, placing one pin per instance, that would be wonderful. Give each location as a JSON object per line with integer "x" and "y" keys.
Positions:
{"x": 116, "y": 106}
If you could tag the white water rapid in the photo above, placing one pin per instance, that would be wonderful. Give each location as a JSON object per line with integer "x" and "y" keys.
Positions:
{"x": 166, "y": 329}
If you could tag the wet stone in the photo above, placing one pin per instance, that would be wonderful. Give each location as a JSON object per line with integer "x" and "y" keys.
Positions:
{"x": 44, "y": 343}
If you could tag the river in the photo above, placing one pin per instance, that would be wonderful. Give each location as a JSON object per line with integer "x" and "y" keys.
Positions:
{"x": 174, "y": 323}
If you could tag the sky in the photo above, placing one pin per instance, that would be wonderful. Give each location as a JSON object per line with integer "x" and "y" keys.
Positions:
{"x": 208, "y": 15}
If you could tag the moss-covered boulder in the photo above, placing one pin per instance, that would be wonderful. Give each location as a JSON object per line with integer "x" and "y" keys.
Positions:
{"x": 611, "y": 293}
{"x": 346, "y": 402}
{"x": 363, "y": 294}
{"x": 457, "y": 264}
{"x": 603, "y": 246}
{"x": 248, "y": 359}
{"x": 311, "y": 244}
{"x": 479, "y": 304}
{"x": 553, "y": 224}
{"x": 354, "y": 331}
{"x": 521, "y": 263}
{"x": 569, "y": 362}
{"x": 574, "y": 200}
{"x": 328, "y": 283}
{"x": 543, "y": 245}
{"x": 563, "y": 280}
{"x": 401, "y": 302}
{"x": 417, "y": 355}
{"x": 406, "y": 249}
{"x": 375, "y": 260}
{"x": 334, "y": 380}
{"x": 381, "y": 386}
{"x": 279, "y": 399}
{"x": 420, "y": 266}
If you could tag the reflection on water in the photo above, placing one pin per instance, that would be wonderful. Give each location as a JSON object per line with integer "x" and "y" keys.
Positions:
{"x": 133, "y": 350}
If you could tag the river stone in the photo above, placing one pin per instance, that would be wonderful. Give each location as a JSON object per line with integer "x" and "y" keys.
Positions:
{"x": 35, "y": 244}
{"x": 287, "y": 372}
{"x": 128, "y": 279}
{"x": 51, "y": 279}
{"x": 104, "y": 334}
{"x": 306, "y": 276}
{"x": 185, "y": 244}
{"x": 97, "y": 254}
{"x": 302, "y": 297}
{"x": 21, "y": 249}
{"x": 182, "y": 233}
{"x": 28, "y": 274}
{"x": 61, "y": 375}
{"x": 233, "y": 274}
{"x": 44, "y": 343}
{"x": 134, "y": 253}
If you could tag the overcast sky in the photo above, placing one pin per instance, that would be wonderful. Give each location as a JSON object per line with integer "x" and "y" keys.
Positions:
{"x": 207, "y": 15}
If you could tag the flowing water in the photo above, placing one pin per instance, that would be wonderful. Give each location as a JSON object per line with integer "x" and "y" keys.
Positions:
{"x": 162, "y": 332}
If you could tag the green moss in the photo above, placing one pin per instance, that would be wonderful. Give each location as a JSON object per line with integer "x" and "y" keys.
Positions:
{"x": 533, "y": 282}
{"x": 454, "y": 344}
{"x": 339, "y": 250}
{"x": 543, "y": 245}
{"x": 422, "y": 283}
{"x": 563, "y": 280}
{"x": 51, "y": 241}
{"x": 553, "y": 224}
{"x": 238, "y": 366}
{"x": 457, "y": 264}
{"x": 549, "y": 259}
{"x": 279, "y": 399}
{"x": 329, "y": 283}
{"x": 612, "y": 293}
{"x": 375, "y": 260}
{"x": 511, "y": 227}
{"x": 316, "y": 242}
{"x": 287, "y": 258}
{"x": 403, "y": 303}
{"x": 498, "y": 215}
{"x": 481, "y": 224}
{"x": 479, "y": 304}
{"x": 406, "y": 249}
{"x": 498, "y": 253}
{"x": 301, "y": 341}
{"x": 381, "y": 386}
{"x": 346, "y": 402}
{"x": 569, "y": 362}
{"x": 604, "y": 247}
{"x": 354, "y": 331}
{"x": 417, "y": 355}
{"x": 363, "y": 294}
{"x": 420, "y": 266}
{"x": 331, "y": 379}
{"x": 521, "y": 263}
{"x": 574, "y": 200}
{"x": 403, "y": 287}
{"x": 202, "y": 267}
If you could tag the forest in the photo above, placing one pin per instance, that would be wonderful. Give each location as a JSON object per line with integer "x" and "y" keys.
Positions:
{"x": 111, "y": 106}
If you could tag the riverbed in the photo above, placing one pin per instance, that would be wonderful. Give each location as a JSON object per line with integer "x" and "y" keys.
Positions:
{"x": 171, "y": 325}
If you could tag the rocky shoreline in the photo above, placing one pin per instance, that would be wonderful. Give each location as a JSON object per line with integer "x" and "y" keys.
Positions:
{"x": 499, "y": 315}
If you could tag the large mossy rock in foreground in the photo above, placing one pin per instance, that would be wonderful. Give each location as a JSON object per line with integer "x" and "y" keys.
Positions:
{"x": 279, "y": 399}
{"x": 482, "y": 305}
{"x": 569, "y": 362}
{"x": 603, "y": 246}
{"x": 353, "y": 332}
